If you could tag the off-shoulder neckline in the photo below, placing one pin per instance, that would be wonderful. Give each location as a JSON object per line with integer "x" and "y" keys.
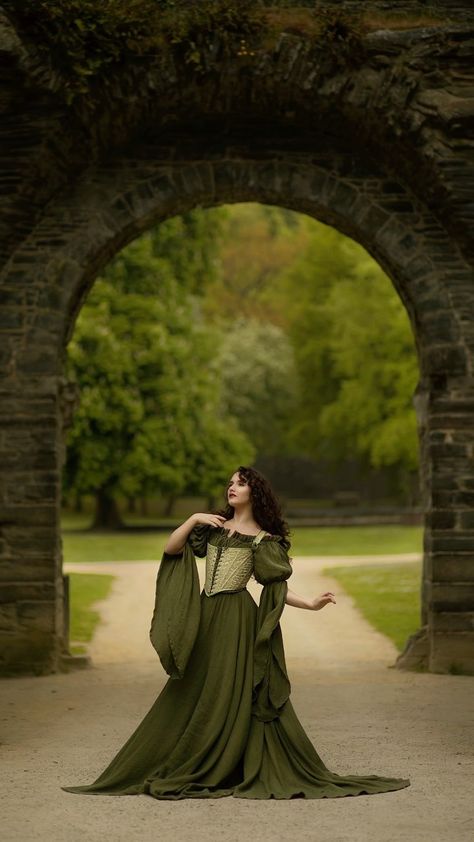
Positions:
{"x": 241, "y": 534}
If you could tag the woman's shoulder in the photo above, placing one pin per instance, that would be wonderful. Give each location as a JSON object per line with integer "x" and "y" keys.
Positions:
{"x": 271, "y": 560}
{"x": 274, "y": 542}
{"x": 263, "y": 537}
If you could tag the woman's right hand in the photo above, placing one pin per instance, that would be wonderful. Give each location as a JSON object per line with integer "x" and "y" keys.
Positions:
{"x": 209, "y": 519}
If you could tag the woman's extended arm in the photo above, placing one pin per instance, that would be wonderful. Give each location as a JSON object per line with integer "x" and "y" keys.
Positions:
{"x": 178, "y": 538}
{"x": 315, "y": 604}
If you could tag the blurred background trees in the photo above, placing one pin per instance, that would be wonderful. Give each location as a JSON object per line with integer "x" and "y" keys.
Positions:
{"x": 236, "y": 335}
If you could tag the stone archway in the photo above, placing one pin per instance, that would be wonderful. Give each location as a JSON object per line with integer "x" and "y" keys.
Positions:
{"x": 388, "y": 167}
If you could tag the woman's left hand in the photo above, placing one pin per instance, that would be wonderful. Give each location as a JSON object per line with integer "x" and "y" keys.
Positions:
{"x": 320, "y": 601}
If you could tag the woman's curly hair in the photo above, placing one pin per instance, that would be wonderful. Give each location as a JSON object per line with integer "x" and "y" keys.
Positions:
{"x": 265, "y": 506}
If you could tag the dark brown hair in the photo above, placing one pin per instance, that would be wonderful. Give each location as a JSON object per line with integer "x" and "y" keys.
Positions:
{"x": 266, "y": 508}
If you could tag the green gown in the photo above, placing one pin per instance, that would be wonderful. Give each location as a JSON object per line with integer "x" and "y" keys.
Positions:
{"x": 223, "y": 723}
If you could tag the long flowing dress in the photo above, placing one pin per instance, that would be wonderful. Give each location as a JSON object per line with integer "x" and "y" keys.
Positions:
{"x": 223, "y": 723}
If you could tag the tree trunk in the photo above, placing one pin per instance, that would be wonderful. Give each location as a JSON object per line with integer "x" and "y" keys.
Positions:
{"x": 169, "y": 505}
{"x": 131, "y": 505}
{"x": 107, "y": 514}
{"x": 143, "y": 507}
{"x": 211, "y": 503}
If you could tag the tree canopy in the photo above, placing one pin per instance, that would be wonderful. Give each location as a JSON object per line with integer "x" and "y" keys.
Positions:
{"x": 150, "y": 415}
{"x": 355, "y": 366}
{"x": 231, "y": 333}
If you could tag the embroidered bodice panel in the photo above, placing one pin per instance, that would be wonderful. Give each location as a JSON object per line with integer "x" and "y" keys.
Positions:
{"x": 227, "y": 568}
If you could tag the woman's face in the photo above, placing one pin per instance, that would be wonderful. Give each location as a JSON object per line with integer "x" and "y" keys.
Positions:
{"x": 238, "y": 491}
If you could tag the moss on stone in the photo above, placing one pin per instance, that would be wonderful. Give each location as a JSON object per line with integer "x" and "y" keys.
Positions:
{"x": 84, "y": 42}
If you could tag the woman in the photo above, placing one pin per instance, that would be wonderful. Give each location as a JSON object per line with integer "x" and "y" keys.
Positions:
{"x": 223, "y": 724}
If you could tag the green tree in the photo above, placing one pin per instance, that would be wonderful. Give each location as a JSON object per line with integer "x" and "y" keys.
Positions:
{"x": 149, "y": 417}
{"x": 256, "y": 243}
{"x": 260, "y": 382}
{"x": 355, "y": 354}
{"x": 190, "y": 244}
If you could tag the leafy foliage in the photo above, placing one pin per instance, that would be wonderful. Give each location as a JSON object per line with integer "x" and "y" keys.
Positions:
{"x": 354, "y": 345}
{"x": 260, "y": 382}
{"x": 85, "y": 41}
{"x": 205, "y": 353}
{"x": 349, "y": 381}
{"x": 244, "y": 281}
{"x": 149, "y": 416}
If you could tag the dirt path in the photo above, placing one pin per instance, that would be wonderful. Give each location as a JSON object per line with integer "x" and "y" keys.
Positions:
{"x": 123, "y": 633}
{"x": 63, "y": 729}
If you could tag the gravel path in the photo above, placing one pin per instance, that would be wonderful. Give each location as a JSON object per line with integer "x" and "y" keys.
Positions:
{"x": 63, "y": 729}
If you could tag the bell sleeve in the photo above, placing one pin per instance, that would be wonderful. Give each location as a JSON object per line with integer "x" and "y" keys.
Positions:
{"x": 271, "y": 686}
{"x": 177, "y": 609}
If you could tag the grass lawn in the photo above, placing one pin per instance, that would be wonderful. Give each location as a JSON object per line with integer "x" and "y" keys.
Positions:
{"x": 84, "y": 590}
{"x": 387, "y": 595}
{"x": 320, "y": 540}
{"x": 111, "y": 546}
{"x": 356, "y": 540}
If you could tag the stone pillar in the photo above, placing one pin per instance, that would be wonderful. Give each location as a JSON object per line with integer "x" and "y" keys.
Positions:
{"x": 415, "y": 655}
{"x": 450, "y": 539}
{"x": 36, "y": 408}
{"x": 445, "y": 641}
{"x": 31, "y": 587}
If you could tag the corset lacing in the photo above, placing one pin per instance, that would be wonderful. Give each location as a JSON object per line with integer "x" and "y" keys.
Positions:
{"x": 229, "y": 561}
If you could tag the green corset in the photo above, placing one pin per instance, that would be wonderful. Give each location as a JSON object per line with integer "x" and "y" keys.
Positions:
{"x": 228, "y": 569}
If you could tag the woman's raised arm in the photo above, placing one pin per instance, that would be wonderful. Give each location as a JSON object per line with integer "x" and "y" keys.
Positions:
{"x": 176, "y": 541}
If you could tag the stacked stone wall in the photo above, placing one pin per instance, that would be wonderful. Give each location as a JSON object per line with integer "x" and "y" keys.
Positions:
{"x": 382, "y": 152}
